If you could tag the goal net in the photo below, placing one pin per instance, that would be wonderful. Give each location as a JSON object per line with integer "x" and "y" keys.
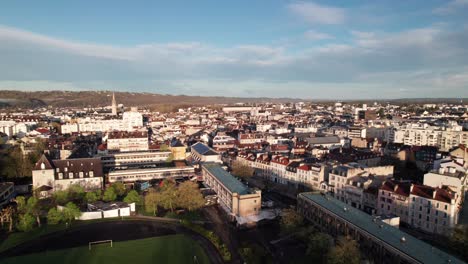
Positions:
{"x": 99, "y": 242}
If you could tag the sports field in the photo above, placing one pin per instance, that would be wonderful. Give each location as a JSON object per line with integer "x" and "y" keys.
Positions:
{"x": 164, "y": 249}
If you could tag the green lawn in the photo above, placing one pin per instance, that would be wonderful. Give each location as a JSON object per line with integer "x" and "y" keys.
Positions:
{"x": 17, "y": 238}
{"x": 165, "y": 249}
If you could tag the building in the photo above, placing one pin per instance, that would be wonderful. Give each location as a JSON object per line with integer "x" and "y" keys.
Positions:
{"x": 7, "y": 192}
{"x": 344, "y": 186}
{"x": 202, "y": 153}
{"x": 176, "y": 170}
{"x": 127, "y": 141}
{"x": 178, "y": 150}
{"x": 132, "y": 119}
{"x": 431, "y": 209}
{"x": 447, "y": 176}
{"x": 132, "y": 159}
{"x": 222, "y": 142}
{"x": 280, "y": 169}
{"x": 236, "y": 198}
{"x": 380, "y": 242}
{"x": 54, "y": 175}
{"x": 444, "y": 138}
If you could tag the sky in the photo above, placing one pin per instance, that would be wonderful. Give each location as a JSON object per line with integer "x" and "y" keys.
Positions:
{"x": 261, "y": 48}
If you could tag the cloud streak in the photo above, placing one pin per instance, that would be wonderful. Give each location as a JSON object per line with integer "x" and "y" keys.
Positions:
{"x": 317, "y": 14}
{"x": 413, "y": 61}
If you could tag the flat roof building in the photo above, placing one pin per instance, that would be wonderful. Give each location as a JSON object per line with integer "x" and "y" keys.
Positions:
{"x": 233, "y": 195}
{"x": 380, "y": 241}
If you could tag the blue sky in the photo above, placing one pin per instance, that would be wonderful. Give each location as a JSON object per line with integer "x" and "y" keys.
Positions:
{"x": 300, "y": 49}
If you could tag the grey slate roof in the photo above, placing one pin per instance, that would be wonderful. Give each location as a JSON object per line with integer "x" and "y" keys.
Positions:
{"x": 323, "y": 140}
{"x": 233, "y": 184}
{"x": 390, "y": 235}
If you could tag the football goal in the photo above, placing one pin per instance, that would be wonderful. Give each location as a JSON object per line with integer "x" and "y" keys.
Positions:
{"x": 99, "y": 242}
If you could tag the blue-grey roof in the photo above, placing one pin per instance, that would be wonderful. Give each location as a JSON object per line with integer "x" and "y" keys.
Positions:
{"x": 233, "y": 184}
{"x": 203, "y": 149}
{"x": 413, "y": 247}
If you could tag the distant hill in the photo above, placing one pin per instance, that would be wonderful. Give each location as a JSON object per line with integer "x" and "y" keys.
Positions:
{"x": 10, "y": 98}
{"x": 160, "y": 102}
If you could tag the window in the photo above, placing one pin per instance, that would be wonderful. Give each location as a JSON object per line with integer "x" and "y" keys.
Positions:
{"x": 414, "y": 199}
{"x": 446, "y": 207}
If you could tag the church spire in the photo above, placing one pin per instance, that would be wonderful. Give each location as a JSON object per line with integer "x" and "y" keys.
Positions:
{"x": 114, "y": 105}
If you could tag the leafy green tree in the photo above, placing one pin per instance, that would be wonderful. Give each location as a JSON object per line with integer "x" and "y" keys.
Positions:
{"x": 459, "y": 240}
{"x": 71, "y": 212}
{"x": 109, "y": 195}
{"x": 54, "y": 216}
{"x": 318, "y": 245}
{"x": 91, "y": 197}
{"x": 133, "y": 197}
{"x": 164, "y": 147}
{"x": 119, "y": 188}
{"x": 241, "y": 170}
{"x": 346, "y": 251}
{"x": 34, "y": 208}
{"x": 26, "y": 222}
{"x": 152, "y": 201}
{"x": 21, "y": 204}
{"x": 290, "y": 220}
{"x": 76, "y": 192}
{"x": 61, "y": 197}
{"x": 189, "y": 196}
{"x": 168, "y": 195}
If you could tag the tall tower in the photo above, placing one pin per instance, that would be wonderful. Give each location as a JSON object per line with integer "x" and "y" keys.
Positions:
{"x": 114, "y": 105}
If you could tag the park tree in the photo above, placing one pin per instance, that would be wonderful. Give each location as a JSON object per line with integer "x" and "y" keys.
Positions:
{"x": 71, "y": 212}
{"x": 242, "y": 170}
{"x": 318, "y": 245}
{"x": 132, "y": 197}
{"x": 189, "y": 196}
{"x": 381, "y": 113}
{"x": 459, "y": 240}
{"x": 164, "y": 147}
{"x": 290, "y": 220}
{"x": 109, "y": 195}
{"x": 21, "y": 204}
{"x": 91, "y": 197}
{"x": 119, "y": 189}
{"x": 152, "y": 201}
{"x": 168, "y": 195}
{"x": 61, "y": 197}
{"x": 26, "y": 222}
{"x": 34, "y": 208}
{"x": 346, "y": 251}
{"x": 54, "y": 216}
{"x": 7, "y": 215}
{"x": 76, "y": 192}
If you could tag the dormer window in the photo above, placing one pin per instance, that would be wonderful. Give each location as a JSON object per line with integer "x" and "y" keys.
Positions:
{"x": 66, "y": 169}
{"x": 81, "y": 174}
{"x": 91, "y": 174}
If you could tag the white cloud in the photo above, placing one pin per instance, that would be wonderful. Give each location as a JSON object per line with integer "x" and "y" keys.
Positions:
{"x": 451, "y": 7}
{"x": 417, "y": 60}
{"x": 315, "y": 35}
{"x": 317, "y": 14}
